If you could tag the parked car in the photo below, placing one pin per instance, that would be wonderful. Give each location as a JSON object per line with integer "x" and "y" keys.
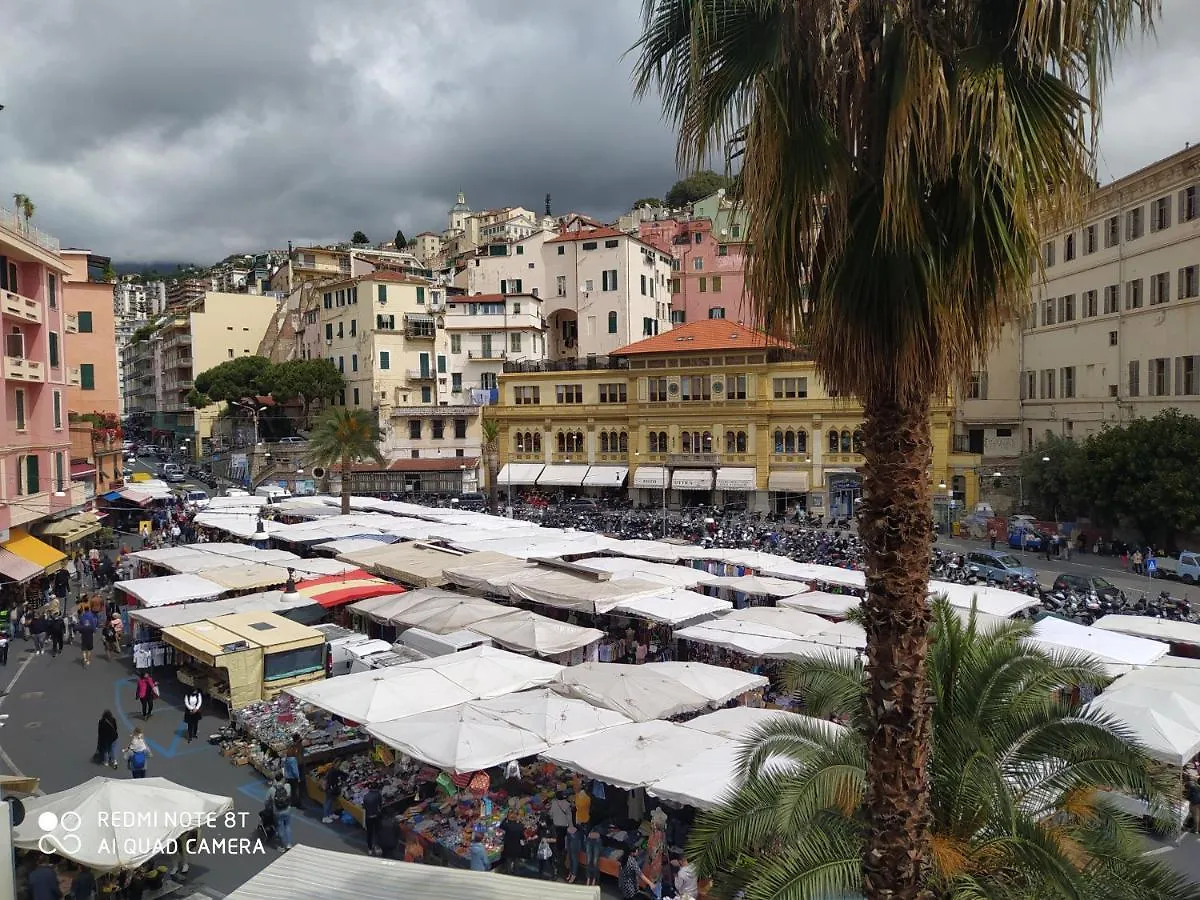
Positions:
{"x": 998, "y": 565}
{"x": 176, "y": 476}
{"x": 1083, "y": 584}
{"x": 294, "y": 439}
{"x": 581, "y": 504}
{"x": 198, "y": 499}
{"x": 472, "y": 500}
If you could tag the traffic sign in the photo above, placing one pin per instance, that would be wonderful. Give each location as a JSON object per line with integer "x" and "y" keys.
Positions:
{"x": 1151, "y": 566}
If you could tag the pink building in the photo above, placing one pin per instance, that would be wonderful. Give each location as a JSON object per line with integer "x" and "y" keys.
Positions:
{"x": 35, "y": 441}
{"x": 707, "y": 277}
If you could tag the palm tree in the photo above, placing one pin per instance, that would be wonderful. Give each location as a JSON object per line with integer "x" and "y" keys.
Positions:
{"x": 24, "y": 207}
{"x": 491, "y": 460}
{"x": 1015, "y": 783}
{"x": 899, "y": 160}
{"x": 341, "y": 436}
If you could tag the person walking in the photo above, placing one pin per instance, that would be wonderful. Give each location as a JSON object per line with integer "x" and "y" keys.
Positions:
{"x": 3, "y": 648}
{"x": 83, "y": 885}
{"x": 592, "y": 845}
{"x": 992, "y": 537}
{"x": 106, "y": 740}
{"x": 630, "y": 877}
{"x": 279, "y": 801}
{"x": 561, "y": 816}
{"x": 146, "y": 691}
{"x": 193, "y": 700}
{"x": 137, "y": 754}
{"x": 87, "y": 634}
{"x": 572, "y": 847}
{"x": 513, "y": 847}
{"x": 372, "y": 805}
{"x": 334, "y": 779}
{"x": 56, "y": 626}
{"x": 37, "y": 627}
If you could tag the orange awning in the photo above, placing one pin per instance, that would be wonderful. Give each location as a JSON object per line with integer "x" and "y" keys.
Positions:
{"x": 338, "y": 590}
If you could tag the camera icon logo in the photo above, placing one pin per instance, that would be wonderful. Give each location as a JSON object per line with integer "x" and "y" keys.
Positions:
{"x": 60, "y": 834}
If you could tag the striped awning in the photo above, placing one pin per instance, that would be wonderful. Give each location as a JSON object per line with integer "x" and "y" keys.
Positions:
{"x": 338, "y": 590}
{"x": 14, "y": 568}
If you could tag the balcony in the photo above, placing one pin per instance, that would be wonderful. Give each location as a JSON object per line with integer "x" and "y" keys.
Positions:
{"x": 10, "y": 221}
{"x": 71, "y": 323}
{"x": 486, "y": 354}
{"x": 18, "y": 368}
{"x": 420, "y": 374}
{"x": 694, "y": 460}
{"x": 20, "y": 307}
{"x": 182, "y": 362}
{"x": 417, "y": 327}
{"x": 73, "y": 377}
{"x": 585, "y": 364}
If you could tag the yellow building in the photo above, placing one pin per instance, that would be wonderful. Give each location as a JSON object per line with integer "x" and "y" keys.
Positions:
{"x": 708, "y": 413}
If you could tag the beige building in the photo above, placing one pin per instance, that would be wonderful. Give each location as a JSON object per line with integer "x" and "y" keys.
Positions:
{"x": 427, "y": 246}
{"x": 1112, "y": 331}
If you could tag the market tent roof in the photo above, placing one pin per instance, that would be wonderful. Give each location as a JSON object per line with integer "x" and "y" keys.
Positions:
{"x": 337, "y": 590}
{"x": 476, "y": 575}
{"x": 248, "y": 502}
{"x": 459, "y": 738}
{"x": 306, "y": 873}
{"x": 664, "y": 573}
{"x": 1111, "y": 648}
{"x": 159, "y": 809}
{"x": 239, "y": 523}
{"x": 634, "y": 755}
{"x": 444, "y": 614}
{"x": 292, "y": 606}
{"x": 708, "y": 778}
{"x": 606, "y": 476}
{"x": 650, "y": 477}
{"x": 549, "y": 544}
{"x": 490, "y": 672}
{"x": 320, "y": 565}
{"x": 21, "y": 543}
{"x": 736, "y": 723}
{"x": 640, "y": 693}
{"x": 756, "y": 640}
{"x": 759, "y": 584}
{"x": 247, "y": 576}
{"x": 519, "y": 473}
{"x": 673, "y": 607}
{"x": 791, "y": 482}
{"x": 654, "y": 551}
{"x": 14, "y": 568}
{"x": 551, "y": 716}
{"x": 692, "y": 479}
{"x": 566, "y": 590}
{"x": 382, "y": 608}
{"x": 993, "y": 601}
{"x": 1165, "y": 721}
{"x": 195, "y": 561}
{"x": 561, "y": 476}
{"x": 170, "y": 589}
{"x": 355, "y": 544}
{"x": 164, "y": 556}
{"x": 71, "y": 528}
{"x": 411, "y": 563}
{"x": 380, "y": 695}
{"x": 734, "y": 478}
{"x": 1155, "y": 629}
{"x": 717, "y": 683}
{"x": 249, "y": 553}
{"x": 805, "y": 626}
{"x": 835, "y": 606}
{"x": 782, "y": 567}
{"x": 528, "y": 632}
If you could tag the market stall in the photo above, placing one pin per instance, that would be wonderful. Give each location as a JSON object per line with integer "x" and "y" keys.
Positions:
{"x": 416, "y": 564}
{"x": 523, "y": 631}
{"x": 640, "y": 692}
{"x": 564, "y": 590}
{"x": 382, "y": 695}
{"x": 663, "y": 573}
{"x": 485, "y": 671}
{"x": 477, "y": 575}
{"x": 675, "y": 607}
{"x": 448, "y": 613}
{"x": 168, "y": 590}
{"x": 820, "y": 603}
{"x": 753, "y": 590}
{"x": 1117, "y": 652}
{"x": 245, "y": 576}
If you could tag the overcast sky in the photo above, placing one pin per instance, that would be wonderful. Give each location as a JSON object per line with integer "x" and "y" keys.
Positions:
{"x": 191, "y": 129}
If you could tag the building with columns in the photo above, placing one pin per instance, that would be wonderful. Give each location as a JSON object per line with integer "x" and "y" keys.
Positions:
{"x": 710, "y": 413}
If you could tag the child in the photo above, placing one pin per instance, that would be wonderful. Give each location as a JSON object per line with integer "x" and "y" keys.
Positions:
{"x": 137, "y": 754}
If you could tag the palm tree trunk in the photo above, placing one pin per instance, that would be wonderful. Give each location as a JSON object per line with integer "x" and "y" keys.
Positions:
{"x": 346, "y": 472}
{"x": 493, "y": 488}
{"x": 896, "y": 529}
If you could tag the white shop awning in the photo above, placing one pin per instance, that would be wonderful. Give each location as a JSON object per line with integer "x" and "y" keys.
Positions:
{"x": 519, "y": 473}
{"x": 791, "y": 482}
{"x": 650, "y": 477}
{"x": 605, "y": 476}
{"x": 736, "y": 479}
{"x": 562, "y": 476}
{"x": 692, "y": 480}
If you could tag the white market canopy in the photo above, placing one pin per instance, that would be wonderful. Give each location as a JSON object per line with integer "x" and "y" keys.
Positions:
{"x": 551, "y": 716}
{"x": 717, "y": 683}
{"x": 380, "y": 695}
{"x": 833, "y": 606}
{"x": 990, "y": 600}
{"x": 639, "y": 692}
{"x": 246, "y": 576}
{"x": 549, "y": 545}
{"x": 459, "y": 738}
{"x": 243, "y": 524}
{"x": 96, "y": 812}
{"x": 804, "y": 626}
{"x": 1165, "y": 721}
{"x": 442, "y": 615}
{"x": 566, "y": 590}
{"x": 737, "y": 723}
{"x": 1111, "y": 648}
{"x": 653, "y": 551}
{"x": 318, "y": 566}
{"x": 306, "y": 873}
{"x": 381, "y": 609}
{"x": 170, "y": 589}
{"x": 524, "y": 631}
{"x": 485, "y": 672}
{"x": 759, "y": 585}
{"x": 199, "y": 611}
{"x": 476, "y": 576}
{"x": 355, "y": 544}
{"x": 626, "y": 567}
{"x": 1155, "y": 629}
{"x": 673, "y": 607}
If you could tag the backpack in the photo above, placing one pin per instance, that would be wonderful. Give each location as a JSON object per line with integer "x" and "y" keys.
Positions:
{"x": 137, "y": 760}
{"x": 282, "y": 797}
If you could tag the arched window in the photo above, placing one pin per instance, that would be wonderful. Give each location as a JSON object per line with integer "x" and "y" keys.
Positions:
{"x": 612, "y": 323}
{"x": 579, "y": 442}
{"x": 537, "y": 441}
{"x": 520, "y": 442}
{"x": 687, "y": 442}
{"x": 612, "y": 442}
{"x": 789, "y": 441}
{"x": 730, "y": 442}
{"x": 562, "y": 442}
{"x": 858, "y": 440}
{"x": 604, "y": 442}
{"x": 801, "y": 441}
{"x": 662, "y": 442}
{"x": 846, "y": 443}
{"x": 706, "y": 442}
{"x": 653, "y": 442}
{"x": 833, "y": 440}
{"x": 623, "y": 442}
{"x": 778, "y": 440}
{"x": 741, "y": 442}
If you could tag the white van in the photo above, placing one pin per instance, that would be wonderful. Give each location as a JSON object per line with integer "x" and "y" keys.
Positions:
{"x": 272, "y": 492}
{"x": 441, "y": 644}
{"x": 363, "y": 654}
{"x": 338, "y": 642}
{"x": 198, "y": 499}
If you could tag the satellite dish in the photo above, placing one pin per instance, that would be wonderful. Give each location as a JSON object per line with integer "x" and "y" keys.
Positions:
{"x": 18, "y": 810}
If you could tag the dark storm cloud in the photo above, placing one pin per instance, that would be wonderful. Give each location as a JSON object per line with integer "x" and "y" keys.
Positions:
{"x": 189, "y": 129}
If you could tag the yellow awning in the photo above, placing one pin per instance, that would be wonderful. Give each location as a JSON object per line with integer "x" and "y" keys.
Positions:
{"x": 29, "y": 548}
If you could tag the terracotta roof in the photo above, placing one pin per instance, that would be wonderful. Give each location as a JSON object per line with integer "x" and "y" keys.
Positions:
{"x": 589, "y": 235}
{"x": 377, "y": 275}
{"x": 433, "y": 464}
{"x": 706, "y": 334}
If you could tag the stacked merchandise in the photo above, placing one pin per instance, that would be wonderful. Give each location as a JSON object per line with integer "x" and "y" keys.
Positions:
{"x": 276, "y": 723}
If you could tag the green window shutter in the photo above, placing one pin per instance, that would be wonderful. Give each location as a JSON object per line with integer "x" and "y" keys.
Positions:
{"x": 85, "y": 322}
{"x": 87, "y": 377}
{"x": 385, "y": 359}
{"x": 54, "y": 349}
{"x": 441, "y": 365}
{"x": 420, "y": 295}
{"x": 33, "y": 483}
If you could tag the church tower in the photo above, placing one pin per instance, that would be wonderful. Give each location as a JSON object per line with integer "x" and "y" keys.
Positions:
{"x": 459, "y": 212}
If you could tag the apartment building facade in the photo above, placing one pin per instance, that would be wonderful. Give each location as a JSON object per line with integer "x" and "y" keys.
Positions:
{"x": 1112, "y": 329}
{"x": 35, "y": 442}
{"x": 93, "y": 385}
{"x": 710, "y": 413}
{"x": 183, "y": 292}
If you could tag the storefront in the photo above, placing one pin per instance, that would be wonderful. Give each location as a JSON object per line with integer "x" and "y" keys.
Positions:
{"x": 788, "y": 490}
{"x": 845, "y": 489}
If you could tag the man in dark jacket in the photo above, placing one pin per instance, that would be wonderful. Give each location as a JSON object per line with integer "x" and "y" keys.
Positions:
{"x": 57, "y": 628}
{"x": 514, "y": 843}
{"x": 372, "y": 810}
